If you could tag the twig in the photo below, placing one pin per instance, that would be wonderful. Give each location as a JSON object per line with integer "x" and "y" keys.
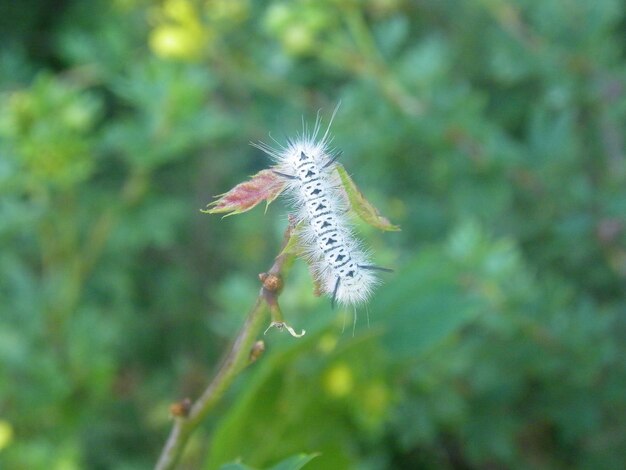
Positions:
{"x": 189, "y": 416}
{"x": 373, "y": 64}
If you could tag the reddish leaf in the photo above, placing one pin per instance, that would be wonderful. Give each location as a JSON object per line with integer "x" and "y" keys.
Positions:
{"x": 264, "y": 186}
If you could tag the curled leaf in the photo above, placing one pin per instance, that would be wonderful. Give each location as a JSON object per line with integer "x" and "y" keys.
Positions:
{"x": 280, "y": 326}
{"x": 264, "y": 186}
{"x": 364, "y": 209}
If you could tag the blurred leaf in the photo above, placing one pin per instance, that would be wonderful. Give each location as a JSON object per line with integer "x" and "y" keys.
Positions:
{"x": 235, "y": 466}
{"x": 392, "y": 34}
{"x": 423, "y": 303}
{"x": 294, "y": 463}
{"x": 46, "y": 129}
{"x": 269, "y": 385}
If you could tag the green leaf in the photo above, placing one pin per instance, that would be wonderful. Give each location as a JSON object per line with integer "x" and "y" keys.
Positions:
{"x": 295, "y": 462}
{"x": 252, "y": 418}
{"x": 364, "y": 209}
{"x": 293, "y": 246}
{"x": 423, "y": 304}
{"x": 235, "y": 466}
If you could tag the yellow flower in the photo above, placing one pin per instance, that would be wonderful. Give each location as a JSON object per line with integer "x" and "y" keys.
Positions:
{"x": 298, "y": 40}
{"x": 6, "y": 434}
{"x": 181, "y": 11}
{"x": 178, "y": 42}
{"x": 339, "y": 381}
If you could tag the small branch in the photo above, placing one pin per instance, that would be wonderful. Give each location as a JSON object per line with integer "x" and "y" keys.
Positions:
{"x": 373, "y": 64}
{"x": 241, "y": 353}
{"x": 132, "y": 191}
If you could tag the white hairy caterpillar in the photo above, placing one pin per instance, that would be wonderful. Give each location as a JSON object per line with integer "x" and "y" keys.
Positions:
{"x": 339, "y": 263}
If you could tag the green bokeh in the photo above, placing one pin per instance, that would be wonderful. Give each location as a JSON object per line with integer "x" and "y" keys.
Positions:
{"x": 491, "y": 131}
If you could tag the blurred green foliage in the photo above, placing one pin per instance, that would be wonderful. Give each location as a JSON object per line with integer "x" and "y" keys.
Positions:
{"x": 492, "y": 131}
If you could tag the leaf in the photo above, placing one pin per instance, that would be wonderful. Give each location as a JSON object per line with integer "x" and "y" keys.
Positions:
{"x": 424, "y": 304}
{"x": 264, "y": 186}
{"x": 252, "y": 418}
{"x": 295, "y": 462}
{"x": 294, "y": 245}
{"x": 235, "y": 466}
{"x": 364, "y": 209}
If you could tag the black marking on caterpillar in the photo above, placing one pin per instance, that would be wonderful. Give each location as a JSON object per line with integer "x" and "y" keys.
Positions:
{"x": 291, "y": 177}
{"x": 376, "y": 268}
{"x": 334, "y": 297}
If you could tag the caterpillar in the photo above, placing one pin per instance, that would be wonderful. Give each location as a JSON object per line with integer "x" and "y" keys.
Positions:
{"x": 339, "y": 263}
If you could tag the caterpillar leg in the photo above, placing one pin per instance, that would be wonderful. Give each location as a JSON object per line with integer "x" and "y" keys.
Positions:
{"x": 285, "y": 175}
{"x": 334, "y": 298}
{"x": 333, "y": 160}
{"x": 375, "y": 268}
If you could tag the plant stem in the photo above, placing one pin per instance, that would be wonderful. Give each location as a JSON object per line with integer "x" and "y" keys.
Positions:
{"x": 373, "y": 65}
{"x": 237, "y": 358}
{"x": 233, "y": 363}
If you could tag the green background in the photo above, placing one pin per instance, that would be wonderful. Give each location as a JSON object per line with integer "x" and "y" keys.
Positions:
{"x": 492, "y": 131}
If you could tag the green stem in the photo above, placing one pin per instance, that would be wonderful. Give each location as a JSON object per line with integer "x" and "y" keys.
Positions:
{"x": 132, "y": 191}
{"x": 373, "y": 64}
{"x": 237, "y": 358}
